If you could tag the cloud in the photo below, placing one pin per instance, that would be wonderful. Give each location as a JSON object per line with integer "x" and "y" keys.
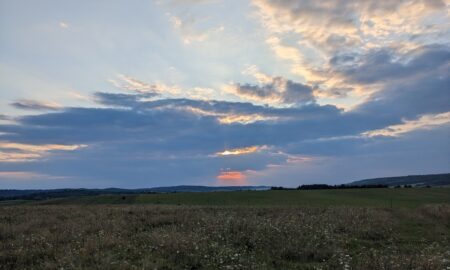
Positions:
{"x": 18, "y": 157}
{"x": 152, "y": 136}
{"x": 121, "y": 100}
{"x": 79, "y": 96}
{"x": 132, "y": 84}
{"x": 415, "y": 91}
{"x": 340, "y": 24}
{"x": 278, "y": 91}
{"x": 19, "y": 152}
{"x": 34, "y": 105}
{"x": 299, "y": 64}
{"x": 419, "y": 152}
{"x": 151, "y": 141}
{"x": 241, "y": 151}
{"x": 318, "y": 40}
{"x": 423, "y": 122}
{"x": 330, "y": 90}
{"x": 39, "y": 148}
{"x": 148, "y": 90}
{"x": 136, "y": 138}
{"x": 189, "y": 33}
{"x": 386, "y": 66}
{"x": 63, "y": 24}
{"x": 193, "y": 107}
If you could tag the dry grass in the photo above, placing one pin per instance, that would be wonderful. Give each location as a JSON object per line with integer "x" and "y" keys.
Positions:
{"x": 180, "y": 237}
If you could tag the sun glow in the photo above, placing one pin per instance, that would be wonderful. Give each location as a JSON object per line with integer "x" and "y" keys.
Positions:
{"x": 232, "y": 178}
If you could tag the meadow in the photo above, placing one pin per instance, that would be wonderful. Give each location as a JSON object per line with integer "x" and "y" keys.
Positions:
{"x": 308, "y": 229}
{"x": 382, "y": 197}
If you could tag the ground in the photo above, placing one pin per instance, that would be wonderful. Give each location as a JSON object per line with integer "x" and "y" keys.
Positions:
{"x": 325, "y": 229}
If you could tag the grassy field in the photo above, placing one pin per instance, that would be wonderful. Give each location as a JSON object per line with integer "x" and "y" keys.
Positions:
{"x": 323, "y": 229}
{"x": 389, "y": 197}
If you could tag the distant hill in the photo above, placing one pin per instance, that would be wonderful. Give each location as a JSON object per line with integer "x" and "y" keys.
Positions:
{"x": 41, "y": 194}
{"x": 204, "y": 188}
{"x": 413, "y": 180}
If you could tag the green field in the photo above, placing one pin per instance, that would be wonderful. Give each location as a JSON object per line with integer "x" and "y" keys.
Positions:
{"x": 372, "y": 229}
{"x": 389, "y": 197}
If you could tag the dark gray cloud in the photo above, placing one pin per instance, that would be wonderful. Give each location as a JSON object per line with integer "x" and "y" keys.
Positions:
{"x": 278, "y": 90}
{"x": 121, "y": 100}
{"x": 26, "y": 104}
{"x": 416, "y": 87}
{"x": 156, "y": 143}
{"x": 348, "y": 159}
{"x": 385, "y": 65}
{"x": 411, "y": 98}
{"x": 165, "y": 120}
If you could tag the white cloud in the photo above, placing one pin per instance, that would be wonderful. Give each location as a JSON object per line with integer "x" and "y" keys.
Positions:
{"x": 424, "y": 122}
{"x": 63, "y": 24}
{"x": 189, "y": 33}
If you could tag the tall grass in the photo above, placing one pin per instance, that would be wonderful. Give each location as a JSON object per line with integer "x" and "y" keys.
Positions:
{"x": 189, "y": 237}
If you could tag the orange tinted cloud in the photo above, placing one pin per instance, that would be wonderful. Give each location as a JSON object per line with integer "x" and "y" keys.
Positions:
{"x": 229, "y": 118}
{"x": 20, "y": 152}
{"x": 241, "y": 151}
{"x": 232, "y": 178}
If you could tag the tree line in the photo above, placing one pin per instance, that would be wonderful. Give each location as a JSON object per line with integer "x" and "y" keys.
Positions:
{"x": 325, "y": 186}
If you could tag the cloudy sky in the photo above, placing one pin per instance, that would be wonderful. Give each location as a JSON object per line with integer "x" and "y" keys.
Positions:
{"x": 145, "y": 93}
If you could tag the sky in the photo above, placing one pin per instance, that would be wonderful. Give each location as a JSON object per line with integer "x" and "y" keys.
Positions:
{"x": 141, "y": 93}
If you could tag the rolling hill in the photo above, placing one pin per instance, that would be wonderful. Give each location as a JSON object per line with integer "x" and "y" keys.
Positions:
{"x": 413, "y": 180}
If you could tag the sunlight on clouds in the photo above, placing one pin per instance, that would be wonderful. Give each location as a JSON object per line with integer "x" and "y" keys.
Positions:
{"x": 245, "y": 118}
{"x": 132, "y": 84}
{"x": 329, "y": 87}
{"x": 228, "y": 118}
{"x": 337, "y": 25}
{"x": 79, "y": 96}
{"x": 200, "y": 93}
{"x": 19, "y": 152}
{"x": 293, "y": 55}
{"x": 337, "y": 92}
{"x": 253, "y": 71}
{"x": 129, "y": 83}
{"x": 225, "y": 92}
{"x": 19, "y": 175}
{"x": 386, "y": 27}
{"x": 40, "y": 148}
{"x": 323, "y": 30}
{"x": 18, "y": 157}
{"x": 241, "y": 151}
{"x": 424, "y": 122}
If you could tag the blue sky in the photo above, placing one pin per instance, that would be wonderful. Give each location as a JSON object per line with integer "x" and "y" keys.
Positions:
{"x": 207, "y": 92}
